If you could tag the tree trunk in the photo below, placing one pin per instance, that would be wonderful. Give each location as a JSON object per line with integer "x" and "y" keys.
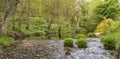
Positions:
{"x": 49, "y": 26}
{"x": 77, "y": 25}
{"x": 4, "y": 24}
{"x": 59, "y": 32}
{"x": 7, "y": 13}
{"x": 28, "y": 18}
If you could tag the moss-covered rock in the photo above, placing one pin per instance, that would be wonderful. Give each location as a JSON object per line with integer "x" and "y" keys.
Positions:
{"x": 82, "y": 42}
{"x": 68, "y": 42}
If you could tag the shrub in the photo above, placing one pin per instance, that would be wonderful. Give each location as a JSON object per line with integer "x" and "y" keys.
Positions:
{"x": 81, "y": 36}
{"x": 109, "y": 41}
{"x": 114, "y": 28}
{"x": 68, "y": 42}
{"x": 104, "y": 25}
{"x": 91, "y": 35}
{"x": 6, "y": 41}
{"x": 82, "y": 42}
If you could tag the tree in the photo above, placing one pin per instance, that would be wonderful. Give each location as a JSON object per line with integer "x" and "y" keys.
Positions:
{"x": 8, "y": 11}
{"x": 105, "y": 9}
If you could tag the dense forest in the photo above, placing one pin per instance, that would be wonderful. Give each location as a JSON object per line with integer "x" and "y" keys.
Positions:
{"x": 66, "y": 20}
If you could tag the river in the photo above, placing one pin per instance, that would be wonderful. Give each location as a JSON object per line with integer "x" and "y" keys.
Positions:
{"x": 53, "y": 49}
{"x": 95, "y": 50}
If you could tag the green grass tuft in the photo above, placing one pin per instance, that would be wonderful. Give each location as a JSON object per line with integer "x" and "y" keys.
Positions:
{"x": 6, "y": 41}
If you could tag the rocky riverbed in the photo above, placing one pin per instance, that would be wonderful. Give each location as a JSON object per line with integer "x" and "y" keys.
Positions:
{"x": 53, "y": 49}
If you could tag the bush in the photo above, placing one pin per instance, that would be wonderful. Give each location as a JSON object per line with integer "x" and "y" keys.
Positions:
{"x": 6, "y": 41}
{"x": 114, "y": 28}
{"x": 68, "y": 42}
{"x": 81, "y": 36}
{"x": 104, "y": 25}
{"x": 109, "y": 41}
{"x": 82, "y": 42}
{"x": 91, "y": 35}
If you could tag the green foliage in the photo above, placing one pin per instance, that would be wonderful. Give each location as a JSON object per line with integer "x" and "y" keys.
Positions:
{"x": 87, "y": 25}
{"x": 83, "y": 30}
{"x": 40, "y": 17}
{"x": 82, "y": 42}
{"x": 91, "y": 35}
{"x": 91, "y": 20}
{"x": 35, "y": 38}
{"x": 114, "y": 28}
{"x": 68, "y": 42}
{"x": 66, "y": 32}
{"x": 105, "y": 9}
{"x": 110, "y": 40}
{"x": 33, "y": 31}
{"x": 6, "y": 41}
{"x": 81, "y": 36}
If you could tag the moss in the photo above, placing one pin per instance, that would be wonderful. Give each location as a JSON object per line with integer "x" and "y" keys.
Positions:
{"x": 82, "y": 42}
{"x": 68, "y": 42}
{"x": 6, "y": 41}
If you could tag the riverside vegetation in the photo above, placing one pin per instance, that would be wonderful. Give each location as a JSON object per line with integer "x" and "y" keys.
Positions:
{"x": 73, "y": 21}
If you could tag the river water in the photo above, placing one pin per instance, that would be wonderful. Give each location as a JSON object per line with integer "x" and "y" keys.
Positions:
{"x": 95, "y": 50}
{"x": 54, "y": 49}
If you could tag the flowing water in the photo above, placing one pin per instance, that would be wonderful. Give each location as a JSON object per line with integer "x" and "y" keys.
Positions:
{"x": 95, "y": 50}
{"x": 53, "y": 49}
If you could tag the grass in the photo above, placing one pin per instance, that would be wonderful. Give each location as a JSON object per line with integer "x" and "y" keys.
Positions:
{"x": 6, "y": 41}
